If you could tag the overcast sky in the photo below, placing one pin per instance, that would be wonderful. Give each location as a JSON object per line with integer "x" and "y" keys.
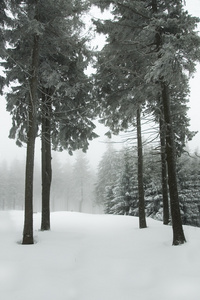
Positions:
{"x": 9, "y": 151}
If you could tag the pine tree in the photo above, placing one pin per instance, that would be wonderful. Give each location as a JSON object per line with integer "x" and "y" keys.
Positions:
{"x": 67, "y": 83}
{"x": 155, "y": 52}
{"x": 63, "y": 103}
{"x": 108, "y": 171}
{"x": 124, "y": 199}
{"x": 182, "y": 134}
{"x": 169, "y": 63}
{"x": 120, "y": 79}
{"x": 188, "y": 182}
{"x": 82, "y": 183}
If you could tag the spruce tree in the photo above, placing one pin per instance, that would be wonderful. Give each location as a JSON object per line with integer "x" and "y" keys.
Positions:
{"x": 63, "y": 103}
{"x": 151, "y": 47}
{"x": 124, "y": 197}
{"x": 169, "y": 63}
{"x": 82, "y": 183}
{"x": 120, "y": 79}
{"x": 107, "y": 175}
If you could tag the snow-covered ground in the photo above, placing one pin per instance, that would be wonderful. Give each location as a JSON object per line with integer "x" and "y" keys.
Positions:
{"x": 97, "y": 257}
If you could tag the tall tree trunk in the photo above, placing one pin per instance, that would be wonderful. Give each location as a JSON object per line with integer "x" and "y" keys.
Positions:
{"x": 142, "y": 218}
{"x": 164, "y": 171}
{"x": 178, "y": 234}
{"x": 46, "y": 161}
{"x": 31, "y": 135}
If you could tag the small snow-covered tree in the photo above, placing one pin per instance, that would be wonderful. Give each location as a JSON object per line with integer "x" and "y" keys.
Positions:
{"x": 107, "y": 174}
{"x": 188, "y": 175}
{"x": 83, "y": 184}
{"x": 124, "y": 193}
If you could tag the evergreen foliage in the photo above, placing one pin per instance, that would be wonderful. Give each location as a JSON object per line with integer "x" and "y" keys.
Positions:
{"x": 108, "y": 171}
{"x": 188, "y": 180}
{"x": 148, "y": 53}
{"x": 121, "y": 197}
{"x": 45, "y": 60}
{"x": 125, "y": 192}
{"x": 63, "y": 59}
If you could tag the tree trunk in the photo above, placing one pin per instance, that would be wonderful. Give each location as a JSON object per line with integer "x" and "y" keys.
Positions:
{"x": 31, "y": 135}
{"x": 46, "y": 161}
{"x": 164, "y": 172}
{"x": 142, "y": 219}
{"x": 178, "y": 234}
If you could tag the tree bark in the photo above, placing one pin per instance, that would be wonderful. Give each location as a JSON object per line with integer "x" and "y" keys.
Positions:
{"x": 178, "y": 234}
{"x": 46, "y": 161}
{"x": 164, "y": 172}
{"x": 31, "y": 135}
{"x": 142, "y": 218}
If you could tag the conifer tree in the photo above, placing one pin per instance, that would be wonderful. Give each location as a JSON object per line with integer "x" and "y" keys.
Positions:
{"x": 124, "y": 193}
{"x": 120, "y": 79}
{"x": 170, "y": 63}
{"x": 149, "y": 43}
{"x": 180, "y": 124}
{"x": 82, "y": 183}
{"x": 107, "y": 175}
{"x": 63, "y": 104}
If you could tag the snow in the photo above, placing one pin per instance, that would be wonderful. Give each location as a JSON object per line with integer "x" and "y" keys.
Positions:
{"x": 97, "y": 257}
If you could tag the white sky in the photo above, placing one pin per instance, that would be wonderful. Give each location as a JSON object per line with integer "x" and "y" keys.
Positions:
{"x": 9, "y": 150}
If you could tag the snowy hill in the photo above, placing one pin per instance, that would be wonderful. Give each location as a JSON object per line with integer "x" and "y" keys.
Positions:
{"x": 97, "y": 257}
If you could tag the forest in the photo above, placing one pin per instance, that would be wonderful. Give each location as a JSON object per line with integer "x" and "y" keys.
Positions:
{"x": 111, "y": 189}
{"x": 72, "y": 188}
{"x": 142, "y": 72}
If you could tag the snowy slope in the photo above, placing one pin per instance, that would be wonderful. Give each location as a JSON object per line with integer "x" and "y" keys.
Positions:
{"x": 97, "y": 257}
